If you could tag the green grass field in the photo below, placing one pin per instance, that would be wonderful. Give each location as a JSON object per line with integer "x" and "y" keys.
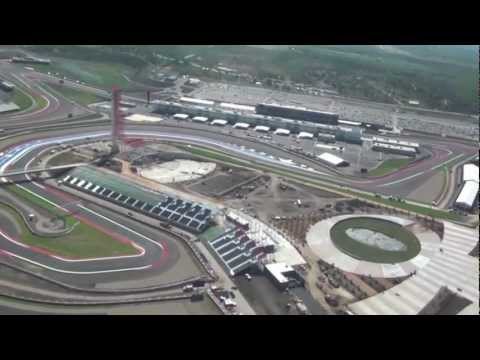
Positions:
{"x": 103, "y": 75}
{"x": 375, "y": 254}
{"x": 83, "y": 242}
{"x": 80, "y": 97}
{"x": 21, "y": 99}
{"x": 389, "y": 166}
{"x": 24, "y": 101}
{"x": 429, "y": 74}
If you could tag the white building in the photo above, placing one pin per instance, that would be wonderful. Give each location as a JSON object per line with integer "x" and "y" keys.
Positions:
{"x": 467, "y": 195}
{"x": 329, "y": 147}
{"x": 350, "y": 123}
{"x": 470, "y": 172}
{"x": 394, "y": 149}
{"x": 277, "y": 271}
{"x": 332, "y": 159}
{"x": 190, "y": 100}
{"x": 200, "y": 119}
{"x": 180, "y": 116}
{"x": 305, "y": 135}
{"x": 282, "y": 132}
{"x": 242, "y": 126}
{"x": 261, "y": 128}
{"x": 219, "y": 122}
{"x": 238, "y": 107}
{"x": 143, "y": 118}
{"x": 395, "y": 142}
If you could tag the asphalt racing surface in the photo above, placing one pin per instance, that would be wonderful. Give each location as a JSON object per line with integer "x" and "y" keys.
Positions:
{"x": 399, "y": 183}
{"x": 161, "y": 254}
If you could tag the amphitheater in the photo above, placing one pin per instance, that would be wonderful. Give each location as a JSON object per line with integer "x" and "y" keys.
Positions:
{"x": 441, "y": 263}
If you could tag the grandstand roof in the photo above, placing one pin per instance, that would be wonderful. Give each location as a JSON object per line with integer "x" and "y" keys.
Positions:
{"x": 238, "y": 107}
{"x": 141, "y": 117}
{"x": 298, "y": 108}
{"x": 196, "y": 101}
{"x": 394, "y": 147}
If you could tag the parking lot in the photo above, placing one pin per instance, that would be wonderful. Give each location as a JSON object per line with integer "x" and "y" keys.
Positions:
{"x": 350, "y": 110}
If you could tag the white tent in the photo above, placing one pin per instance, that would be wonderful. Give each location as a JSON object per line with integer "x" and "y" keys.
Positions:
{"x": 305, "y": 135}
{"x": 467, "y": 196}
{"x": 331, "y": 159}
{"x": 201, "y": 119}
{"x": 260, "y": 128}
{"x": 242, "y": 126}
{"x": 219, "y": 122}
{"x": 181, "y": 116}
{"x": 283, "y": 132}
{"x": 470, "y": 172}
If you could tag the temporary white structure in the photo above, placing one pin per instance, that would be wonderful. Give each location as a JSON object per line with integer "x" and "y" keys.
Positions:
{"x": 242, "y": 126}
{"x": 331, "y": 159}
{"x": 467, "y": 196}
{"x": 283, "y": 132}
{"x": 237, "y": 107}
{"x": 305, "y": 135}
{"x": 261, "y": 128}
{"x": 196, "y": 101}
{"x": 219, "y": 122}
{"x": 201, "y": 119}
{"x": 470, "y": 172}
{"x": 180, "y": 116}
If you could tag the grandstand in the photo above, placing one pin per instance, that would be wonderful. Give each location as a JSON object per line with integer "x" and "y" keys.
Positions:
{"x": 236, "y": 250}
{"x": 395, "y": 142}
{"x": 298, "y": 113}
{"x": 187, "y": 215}
{"x": 394, "y": 149}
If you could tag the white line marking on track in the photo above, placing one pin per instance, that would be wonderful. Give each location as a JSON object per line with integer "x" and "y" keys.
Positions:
{"x": 13, "y": 241}
{"x": 41, "y": 197}
{"x": 448, "y": 161}
{"x": 76, "y": 272}
{"x": 121, "y": 226}
{"x": 402, "y": 180}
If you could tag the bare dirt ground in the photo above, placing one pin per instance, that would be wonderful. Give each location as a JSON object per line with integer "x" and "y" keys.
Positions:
{"x": 279, "y": 198}
{"x": 221, "y": 180}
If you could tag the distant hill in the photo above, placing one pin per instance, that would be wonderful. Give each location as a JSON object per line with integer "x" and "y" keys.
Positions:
{"x": 443, "y": 77}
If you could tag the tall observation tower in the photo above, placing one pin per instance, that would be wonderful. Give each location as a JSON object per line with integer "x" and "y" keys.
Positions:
{"x": 117, "y": 121}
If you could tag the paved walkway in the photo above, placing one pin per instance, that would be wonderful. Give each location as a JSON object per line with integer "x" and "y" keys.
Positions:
{"x": 318, "y": 238}
{"x": 452, "y": 267}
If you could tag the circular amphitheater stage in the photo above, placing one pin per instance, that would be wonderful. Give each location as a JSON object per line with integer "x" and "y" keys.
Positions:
{"x": 320, "y": 241}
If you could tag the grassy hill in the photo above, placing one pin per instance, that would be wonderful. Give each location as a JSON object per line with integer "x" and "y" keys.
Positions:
{"x": 440, "y": 77}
